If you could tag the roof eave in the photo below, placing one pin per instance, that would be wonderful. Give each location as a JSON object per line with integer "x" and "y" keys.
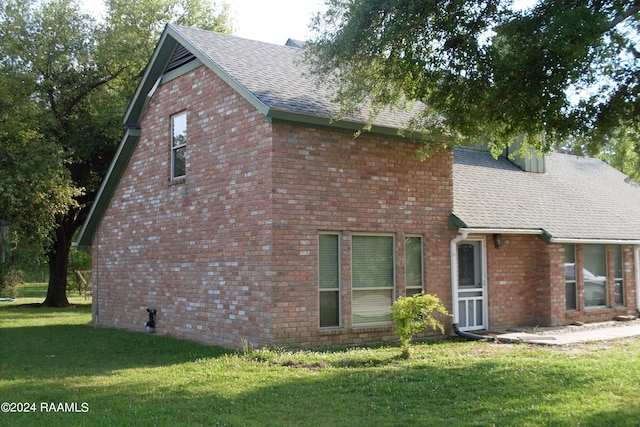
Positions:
{"x": 593, "y": 241}
{"x": 497, "y": 230}
{"x": 456, "y": 223}
{"x": 288, "y": 116}
{"x": 158, "y": 62}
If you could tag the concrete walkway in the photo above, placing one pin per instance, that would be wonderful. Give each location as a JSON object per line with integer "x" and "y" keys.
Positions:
{"x": 563, "y": 337}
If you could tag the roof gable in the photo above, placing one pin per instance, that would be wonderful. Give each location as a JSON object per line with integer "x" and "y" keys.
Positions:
{"x": 272, "y": 78}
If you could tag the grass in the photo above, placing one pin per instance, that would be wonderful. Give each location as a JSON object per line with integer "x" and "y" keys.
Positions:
{"x": 135, "y": 379}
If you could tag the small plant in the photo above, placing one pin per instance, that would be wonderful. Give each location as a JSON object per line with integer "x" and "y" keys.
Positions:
{"x": 413, "y": 315}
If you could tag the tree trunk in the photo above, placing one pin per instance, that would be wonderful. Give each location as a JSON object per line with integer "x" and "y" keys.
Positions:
{"x": 58, "y": 258}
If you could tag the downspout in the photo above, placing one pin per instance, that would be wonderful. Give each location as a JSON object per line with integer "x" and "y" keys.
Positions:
{"x": 454, "y": 289}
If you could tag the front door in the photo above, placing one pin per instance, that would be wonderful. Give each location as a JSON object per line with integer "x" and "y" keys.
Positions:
{"x": 471, "y": 286}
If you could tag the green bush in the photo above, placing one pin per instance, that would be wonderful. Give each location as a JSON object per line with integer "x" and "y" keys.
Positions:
{"x": 10, "y": 279}
{"x": 413, "y": 315}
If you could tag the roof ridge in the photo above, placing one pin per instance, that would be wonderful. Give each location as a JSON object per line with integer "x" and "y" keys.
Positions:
{"x": 187, "y": 28}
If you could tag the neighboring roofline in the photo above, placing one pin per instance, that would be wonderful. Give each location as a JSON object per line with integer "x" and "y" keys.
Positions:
{"x": 108, "y": 186}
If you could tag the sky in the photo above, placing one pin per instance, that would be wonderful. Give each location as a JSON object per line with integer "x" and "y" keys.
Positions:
{"x": 272, "y": 21}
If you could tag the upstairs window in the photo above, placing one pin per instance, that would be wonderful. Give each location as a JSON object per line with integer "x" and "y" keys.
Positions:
{"x": 178, "y": 146}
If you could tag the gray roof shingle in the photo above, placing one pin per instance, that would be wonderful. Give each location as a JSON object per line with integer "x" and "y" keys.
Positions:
{"x": 577, "y": 198}
{"x": 277, "y": 76}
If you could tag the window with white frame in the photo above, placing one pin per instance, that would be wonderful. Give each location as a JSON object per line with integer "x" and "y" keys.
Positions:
{"x": 178, "y": 145}
{"x": 413, "y": 264}
{"x": 372, "y": 280}
{"x": 571, "y": 295}
{"x": 329, "y": 279}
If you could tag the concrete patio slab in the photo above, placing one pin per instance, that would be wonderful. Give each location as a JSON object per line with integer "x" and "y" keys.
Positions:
{"x": 572, "y": 337}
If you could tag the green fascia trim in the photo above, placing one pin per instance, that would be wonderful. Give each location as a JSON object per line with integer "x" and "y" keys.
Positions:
{"x": 288, "y": 116}
{"x": 546, "y": 237}
{"x": 268, "y": 112}
{"x": 187, "y": 68}
{"x": 171, "y": 38}
{"x": 108, "y": 187}
{"x": 456, "y": 223}
{"x": 154, "y": 70}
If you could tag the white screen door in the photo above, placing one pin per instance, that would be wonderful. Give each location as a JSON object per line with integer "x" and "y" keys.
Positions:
{"x": 471, "y": 286}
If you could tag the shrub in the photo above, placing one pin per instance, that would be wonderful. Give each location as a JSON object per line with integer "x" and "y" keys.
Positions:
{"x": 414, "y": 314}
{"x": 10, "y": 279}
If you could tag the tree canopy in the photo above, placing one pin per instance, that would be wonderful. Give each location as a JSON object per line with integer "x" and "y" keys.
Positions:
{"x": 487, "y": 71}
{"x": 66, "y": 79}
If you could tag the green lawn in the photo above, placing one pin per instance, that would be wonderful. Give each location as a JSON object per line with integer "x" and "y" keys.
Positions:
{"x": 119, "y": 378}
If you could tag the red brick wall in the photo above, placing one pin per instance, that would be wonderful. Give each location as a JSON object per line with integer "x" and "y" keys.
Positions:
{"x": 526, "y": 285}
{"x": 230, "y": 253}
{"x": 515, "y": 276}
{"x": 330, "y": 181}
{"x": 197, "y": 250}
{"x": 611, "y": 311}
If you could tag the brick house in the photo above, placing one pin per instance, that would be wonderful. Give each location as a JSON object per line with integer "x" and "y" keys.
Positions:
{"x": 239, "y": 209}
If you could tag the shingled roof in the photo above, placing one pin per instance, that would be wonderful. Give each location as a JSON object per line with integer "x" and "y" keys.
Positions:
{"x": 274, "y": 78}
{"x": 581, "y": 199}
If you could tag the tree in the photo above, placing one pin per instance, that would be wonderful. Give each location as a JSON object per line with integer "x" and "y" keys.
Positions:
{"x": 622, "y": 151}
{"x": 72, "y": 77}
{"x": 484, "y": 71}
